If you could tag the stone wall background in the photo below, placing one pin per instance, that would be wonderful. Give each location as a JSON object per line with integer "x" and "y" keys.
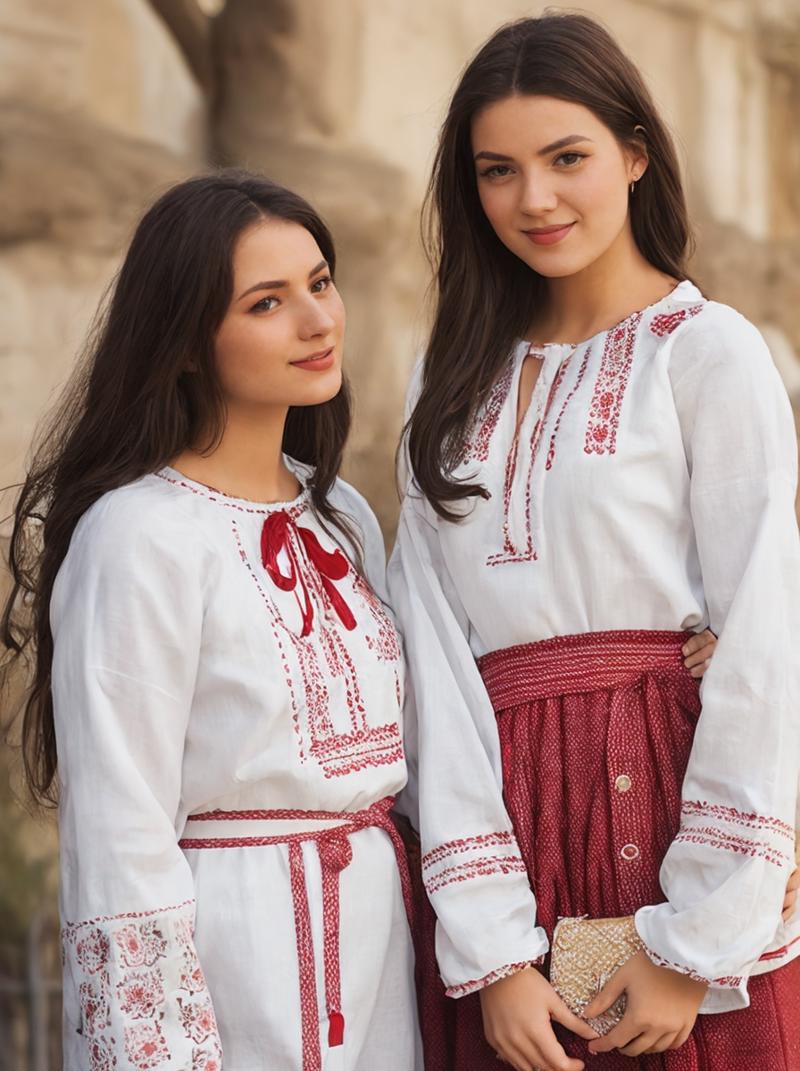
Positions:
{"x": 103, "y": 103}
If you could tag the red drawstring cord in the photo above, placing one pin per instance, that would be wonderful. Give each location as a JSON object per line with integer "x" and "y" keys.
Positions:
{"x": 276, "y": 535}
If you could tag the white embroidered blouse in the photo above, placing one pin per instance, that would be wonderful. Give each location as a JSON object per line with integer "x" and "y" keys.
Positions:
{"x": 216, "y": 659}
{"x": 651, "y": 486}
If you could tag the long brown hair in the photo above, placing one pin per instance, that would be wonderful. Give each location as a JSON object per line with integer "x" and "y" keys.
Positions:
{"x": 486, "y": 296}
{"x": 131, "y": 406}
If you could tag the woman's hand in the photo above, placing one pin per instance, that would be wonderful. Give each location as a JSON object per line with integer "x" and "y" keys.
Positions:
{"x": 790, "y": 899}
{"x": 660, "y": 1013}
{"x": 698, "y": 651}
{"x": 516, "y": 1020}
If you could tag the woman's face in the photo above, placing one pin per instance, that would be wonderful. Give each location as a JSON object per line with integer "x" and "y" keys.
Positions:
{"x": 280, "y": 343}
{"x": 553, "y": 181}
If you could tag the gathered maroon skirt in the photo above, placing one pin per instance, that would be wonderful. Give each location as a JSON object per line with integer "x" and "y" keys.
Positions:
{"x": 595, "y": 734}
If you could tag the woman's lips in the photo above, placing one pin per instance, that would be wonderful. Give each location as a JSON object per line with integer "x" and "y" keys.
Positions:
{"x": 549, "y": 235}
{"x": 318, "y": 363}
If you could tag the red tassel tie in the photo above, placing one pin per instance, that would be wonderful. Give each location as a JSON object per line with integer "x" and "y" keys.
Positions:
{"x": 276, "y": 535}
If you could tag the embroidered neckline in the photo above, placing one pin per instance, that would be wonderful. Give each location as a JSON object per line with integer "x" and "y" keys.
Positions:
{"x": 685, "y": 290}
{"x": 244, "y": 505}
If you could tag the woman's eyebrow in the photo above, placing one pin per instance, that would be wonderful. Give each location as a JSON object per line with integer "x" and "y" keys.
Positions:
{"x": 276, "y": 284}
{"x": 570, "y": 139}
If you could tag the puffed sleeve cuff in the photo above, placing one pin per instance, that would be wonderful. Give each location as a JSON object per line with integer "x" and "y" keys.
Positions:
{"x": 674, "y": 942}
{"x": 486, "y": 928}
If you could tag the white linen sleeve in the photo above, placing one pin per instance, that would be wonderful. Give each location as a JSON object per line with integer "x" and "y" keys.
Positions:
{"x": 725, "y": 873}
{"x": 471, "y": 865}
{"x": 126, "y": 617}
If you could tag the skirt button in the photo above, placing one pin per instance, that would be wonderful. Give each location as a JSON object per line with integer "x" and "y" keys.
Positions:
{"x": 629, "y": 851}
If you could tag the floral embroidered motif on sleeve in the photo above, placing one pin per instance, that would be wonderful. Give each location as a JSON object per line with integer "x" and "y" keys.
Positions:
{"x": 142, "y": 992}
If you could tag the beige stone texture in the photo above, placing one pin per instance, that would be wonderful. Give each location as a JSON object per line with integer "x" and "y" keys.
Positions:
{"x": 99, "y": 110}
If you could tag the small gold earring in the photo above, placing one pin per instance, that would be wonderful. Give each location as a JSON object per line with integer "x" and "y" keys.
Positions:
{"x": 633, "y": 186}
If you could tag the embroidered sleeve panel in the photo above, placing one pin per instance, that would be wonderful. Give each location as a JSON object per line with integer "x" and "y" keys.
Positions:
{"x": 724, "y": 828}
{"x": 142, "y": 998}
{"x": 485, "y": 855}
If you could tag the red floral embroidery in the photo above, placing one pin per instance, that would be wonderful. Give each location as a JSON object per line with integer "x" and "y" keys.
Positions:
{"x": 510, "y": 552}
{"x": 207, "y": 1059}
{"x": 294, "y": 510}
{"x": 465, "y": 844}
{"x": 127, "y": 948}
{"x": 141, "y": 993}
{"x": 145, "y": 1045}
{"x": 192, "y": 980}
{"x": 478, "y": 446}
{"x": 101, "y": 1057}
{"x": 713, "y": 837}
{"x": 92, "y": 951}
{"x": 491, "y": 854}
{"x": 94, "y": 1006}
{"x": 475, "y": 868}
{"x": 385, "y": 643}
{"x": 480, "y": 983}
{"x": 610, "y": 386}
{"x": 665, "y": 323}
{"x": 140, "y": 944}
{"x": 308, "y": 663}
{"x": 722, "y": 813}
{"x": 726, "y": 982}
{"x": 197, "y": 1019}
{"x": 551, "y": 453}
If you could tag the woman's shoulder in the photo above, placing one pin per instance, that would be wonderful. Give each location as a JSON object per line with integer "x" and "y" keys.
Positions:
{"x": 715, "y": 336}
{"x": 146, "y": 517}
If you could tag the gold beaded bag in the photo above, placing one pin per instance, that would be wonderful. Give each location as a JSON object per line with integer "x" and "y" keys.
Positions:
{"x": 585, "y": 954}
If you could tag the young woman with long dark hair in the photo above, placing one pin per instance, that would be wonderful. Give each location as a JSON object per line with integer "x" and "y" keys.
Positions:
{"x": 601, "y": 460}
{"x": 216, "y": 684}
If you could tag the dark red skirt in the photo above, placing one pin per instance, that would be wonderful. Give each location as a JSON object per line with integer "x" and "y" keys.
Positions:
{"x": 595, "y": 734}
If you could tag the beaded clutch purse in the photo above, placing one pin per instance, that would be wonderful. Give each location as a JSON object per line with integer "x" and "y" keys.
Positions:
{"x": 585, "y": 953}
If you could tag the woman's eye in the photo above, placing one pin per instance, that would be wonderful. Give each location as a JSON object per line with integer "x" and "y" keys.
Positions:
{"x": 266, "y": 304}
{"x": 321, "y": 284}
{"x": 570, "y": 159}
{"x": 496, "y": 171}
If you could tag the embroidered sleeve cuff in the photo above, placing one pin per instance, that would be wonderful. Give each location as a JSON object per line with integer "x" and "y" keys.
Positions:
{"x": 494, "y": 976}
{"x": 135, "y": 993}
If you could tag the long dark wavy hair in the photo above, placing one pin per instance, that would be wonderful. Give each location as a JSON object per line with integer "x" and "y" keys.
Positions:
{"x": 485, "y": 297}
{"x": 131, "y": 406}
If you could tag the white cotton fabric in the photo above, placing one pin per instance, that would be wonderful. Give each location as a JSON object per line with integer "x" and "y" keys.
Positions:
{"x": 652, "y": 486}
{"x": 177, "y": 691}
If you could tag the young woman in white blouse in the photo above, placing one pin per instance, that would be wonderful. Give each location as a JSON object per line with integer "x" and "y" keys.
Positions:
{"x": 601, "y": 459}
{"x": 217, "y": 684}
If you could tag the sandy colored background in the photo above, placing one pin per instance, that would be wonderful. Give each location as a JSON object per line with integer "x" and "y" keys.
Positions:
{"x": 103, "y": 103}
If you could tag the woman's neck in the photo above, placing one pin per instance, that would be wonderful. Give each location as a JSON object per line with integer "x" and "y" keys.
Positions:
{"x": 248, "y": 462}
{"x": 601, "y": 295}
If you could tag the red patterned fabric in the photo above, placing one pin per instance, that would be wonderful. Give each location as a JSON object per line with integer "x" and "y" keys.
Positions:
{"x": 595, "y": 732}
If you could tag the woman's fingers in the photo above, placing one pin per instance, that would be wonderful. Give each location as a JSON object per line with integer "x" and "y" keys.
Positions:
{"x": 622, "y": 1034}
{"x": 611, "y": 991}
{"x": 698, "y": 651}
{"x": 561, "y": 1013}
{"x": 551, "y": 1056}
{"x": 646, "y": 1042}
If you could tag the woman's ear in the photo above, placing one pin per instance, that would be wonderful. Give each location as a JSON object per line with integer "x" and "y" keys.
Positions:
{"x": 638, "y": 158}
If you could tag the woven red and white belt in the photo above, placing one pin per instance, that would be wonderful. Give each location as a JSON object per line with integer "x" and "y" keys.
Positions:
{"x": 335, "y": 853}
